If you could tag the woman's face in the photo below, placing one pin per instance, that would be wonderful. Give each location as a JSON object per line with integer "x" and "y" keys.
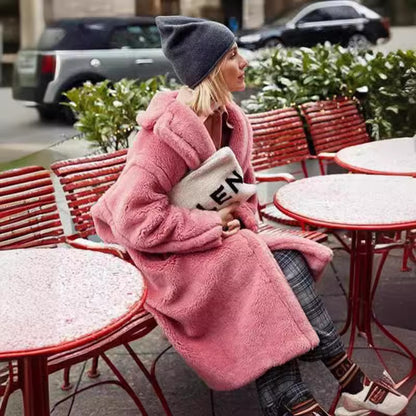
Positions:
{"x": 232, "y": 69}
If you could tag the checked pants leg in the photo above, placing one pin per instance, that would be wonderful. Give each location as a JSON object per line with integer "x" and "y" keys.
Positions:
{"x": 282, "y": 387}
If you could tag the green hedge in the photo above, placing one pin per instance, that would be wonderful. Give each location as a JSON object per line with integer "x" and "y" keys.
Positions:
{"x": 385, "y": 84}
{"x": 106, "y": 112}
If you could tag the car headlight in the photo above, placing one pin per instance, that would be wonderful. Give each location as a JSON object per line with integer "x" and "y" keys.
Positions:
{"x": 250, "y": 38}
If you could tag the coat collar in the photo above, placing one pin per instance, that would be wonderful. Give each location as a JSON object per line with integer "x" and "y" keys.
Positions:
{"x": 181, "y": 129}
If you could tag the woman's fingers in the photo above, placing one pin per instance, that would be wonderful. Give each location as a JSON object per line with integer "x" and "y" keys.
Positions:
{"x": 226, "y": 213}
{"x": 232, "y": 228}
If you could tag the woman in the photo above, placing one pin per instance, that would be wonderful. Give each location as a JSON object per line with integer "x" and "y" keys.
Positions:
{"x": 238, "y": 308}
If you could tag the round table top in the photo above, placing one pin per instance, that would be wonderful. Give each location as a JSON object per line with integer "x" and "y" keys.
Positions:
{"x": 346, "y": 201}
{"x": 387, "y": 157}
{"x": 56, "y": 299}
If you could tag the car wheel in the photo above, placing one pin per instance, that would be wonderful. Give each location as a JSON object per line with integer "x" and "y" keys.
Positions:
{"x": 273, "y": 43}
{"x": 47, "y": 112}
{"x": 358, "y": 41}
{"x": 67, "y": 115}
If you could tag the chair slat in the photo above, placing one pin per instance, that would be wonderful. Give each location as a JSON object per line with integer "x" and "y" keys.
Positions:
{"x": 84, "y": 180}
{"x": 29, "y": 215}
{"x": 278, "y": 138}
{"x": 334, "y": 124}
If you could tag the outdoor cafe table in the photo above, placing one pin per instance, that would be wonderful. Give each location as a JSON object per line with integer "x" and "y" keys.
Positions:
{"x": 362, "y": 204}
{"x": 53, "y": 300}
{"x": 385, "y": 157}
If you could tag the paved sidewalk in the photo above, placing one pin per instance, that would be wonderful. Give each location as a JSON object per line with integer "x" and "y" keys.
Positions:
{"x": 395, "y": 306}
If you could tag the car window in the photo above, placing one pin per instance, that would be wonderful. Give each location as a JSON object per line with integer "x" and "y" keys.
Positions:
{"x": 136, "y": 37}
{"x": 342, "y": 12}
{"x": 50, "y": 38}
{"x": 317, "y": 15}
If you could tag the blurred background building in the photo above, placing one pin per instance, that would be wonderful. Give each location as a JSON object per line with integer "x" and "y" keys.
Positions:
{"x": 24, "y": 20}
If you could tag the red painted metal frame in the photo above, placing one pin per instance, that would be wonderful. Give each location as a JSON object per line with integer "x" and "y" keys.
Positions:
{"x": 355, "y": 169}
{"x": 29, "y": 217}
{"x": 409, "y": 243}
{"x": 362, "y": 289}
{"x": 278, "y": 139}
{"x": 136, "y": 307}
{"x": 84, "y": 180}
{"x": 34, "y": 371}
{"x": 333, "y": 125}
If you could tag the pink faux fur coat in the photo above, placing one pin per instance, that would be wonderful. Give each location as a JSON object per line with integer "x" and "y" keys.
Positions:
{"x": 222, "y": 302}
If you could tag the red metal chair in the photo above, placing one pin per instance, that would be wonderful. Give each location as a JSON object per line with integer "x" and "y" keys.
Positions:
{"x": 29, "y": 217}
{"x": 84, "y": 180}
{"x": 279, "y": 140}
{"x": 333, "y": 125}
{"x": 336, "y": 124}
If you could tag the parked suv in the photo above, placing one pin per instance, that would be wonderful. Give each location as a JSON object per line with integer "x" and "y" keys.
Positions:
{"x": 72, "y": 51}
{"x": 345, "y": 22}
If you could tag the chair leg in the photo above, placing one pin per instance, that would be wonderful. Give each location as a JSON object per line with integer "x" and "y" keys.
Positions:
{"x": 409, "y": 246}
{"x": 10, "y": 382}
{"x": 124, "y": 384}
{"x": 67, "y": 385}
{"x": 93, "y": 371}
{"x": 5, "y": 398}
{"x": 322, "y": 167}
{"x": 151, "y": 376}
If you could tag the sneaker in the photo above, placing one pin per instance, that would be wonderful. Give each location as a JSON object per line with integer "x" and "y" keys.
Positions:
{"x": 308, "y": 408}
{"x": 376, "y": 396}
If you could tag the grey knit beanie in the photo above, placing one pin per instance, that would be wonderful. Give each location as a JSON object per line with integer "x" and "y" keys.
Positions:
{"x": 193, "y": 46}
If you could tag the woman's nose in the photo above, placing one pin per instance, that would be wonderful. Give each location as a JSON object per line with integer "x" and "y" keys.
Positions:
{"x": 243, "y": 63}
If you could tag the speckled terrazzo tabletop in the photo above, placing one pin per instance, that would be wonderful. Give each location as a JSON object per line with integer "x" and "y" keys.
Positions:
{"x": 372, "y": 201}
{"x": 394, "y": 156}
{"x": 54, "y": 296}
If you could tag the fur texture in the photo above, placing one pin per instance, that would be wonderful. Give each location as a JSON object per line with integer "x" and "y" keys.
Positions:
{"x": 223, "y": 303}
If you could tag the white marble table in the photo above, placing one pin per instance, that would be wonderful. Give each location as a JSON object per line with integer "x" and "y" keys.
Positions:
{"x": 54, "y": 300}
{"x": 362, "y": 204}
{"x": 385, "y": 157}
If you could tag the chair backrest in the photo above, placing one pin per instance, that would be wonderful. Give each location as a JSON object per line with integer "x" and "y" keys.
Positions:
{"x": 278, "y": 138}
{"x": 84, "y": 180}
{"x": 29, "y": 215}
{"x": 334, "y": 124}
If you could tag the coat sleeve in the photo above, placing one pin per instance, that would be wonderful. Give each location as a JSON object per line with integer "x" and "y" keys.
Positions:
{"x": 246, "y": 212}
{"x": 136, "y": 213}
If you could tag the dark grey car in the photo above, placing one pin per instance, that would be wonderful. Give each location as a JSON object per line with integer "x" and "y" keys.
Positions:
{"x": 339, "y": 21}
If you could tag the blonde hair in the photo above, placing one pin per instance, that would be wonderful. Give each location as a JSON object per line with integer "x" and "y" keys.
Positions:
{"x": 212, "y": 89}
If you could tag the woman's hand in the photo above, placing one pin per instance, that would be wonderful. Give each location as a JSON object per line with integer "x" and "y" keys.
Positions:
{"x": 226, "y": 213}
{"x": 232, "y": 228}
{"x": 230, "y": 225}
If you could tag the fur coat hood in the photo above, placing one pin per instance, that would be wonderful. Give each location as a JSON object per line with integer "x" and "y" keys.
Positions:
{"x": 223, "y": 303}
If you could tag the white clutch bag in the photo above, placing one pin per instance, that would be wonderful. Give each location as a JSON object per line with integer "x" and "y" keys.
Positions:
{"x": 218, "y": 182}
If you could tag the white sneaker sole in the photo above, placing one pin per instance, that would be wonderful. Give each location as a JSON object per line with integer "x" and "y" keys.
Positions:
{"x": 341, "y": 411}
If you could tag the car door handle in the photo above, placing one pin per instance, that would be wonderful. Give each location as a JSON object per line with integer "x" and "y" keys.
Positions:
{"x": 141, "y": 61}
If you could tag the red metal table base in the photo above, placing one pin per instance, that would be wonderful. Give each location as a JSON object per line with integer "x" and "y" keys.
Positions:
{"x": 35, "y": 389}
{"x": 361, "y": 294}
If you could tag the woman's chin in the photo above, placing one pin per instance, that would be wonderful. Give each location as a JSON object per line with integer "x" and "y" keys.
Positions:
{"x": 241, "y": 87}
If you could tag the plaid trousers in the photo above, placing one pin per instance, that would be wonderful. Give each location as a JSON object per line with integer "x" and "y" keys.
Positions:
{"x": 282, "y": 387}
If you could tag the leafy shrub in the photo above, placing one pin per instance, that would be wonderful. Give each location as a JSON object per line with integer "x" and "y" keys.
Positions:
{"x": 106, "y": 112}
{"x": 385, "y": 84}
